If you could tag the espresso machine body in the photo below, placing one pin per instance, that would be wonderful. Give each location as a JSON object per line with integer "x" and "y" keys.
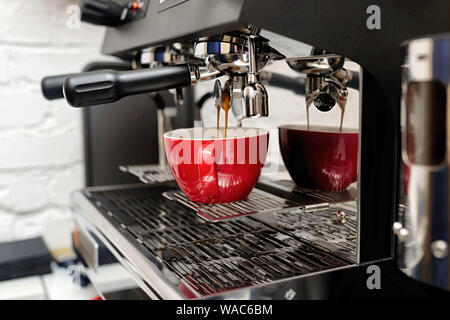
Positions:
{"x": 338, "y": 29}
{"x": 301, "y": 249}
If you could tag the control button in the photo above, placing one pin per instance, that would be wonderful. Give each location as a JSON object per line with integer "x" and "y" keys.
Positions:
{"x": 134, "y": 6}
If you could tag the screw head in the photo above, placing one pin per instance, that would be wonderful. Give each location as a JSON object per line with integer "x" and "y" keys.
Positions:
{"x": 403, "y": 235}
{"x": 341, "y": 217}
{"x": 439, "y": 249}
{"x": 397, "y": 226}
{"x": 290, "y": 294}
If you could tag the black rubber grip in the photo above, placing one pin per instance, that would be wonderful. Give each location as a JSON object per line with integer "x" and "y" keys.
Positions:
{"x": 101, "y": 12}
{"x": 52, "y": 87}
{"x": 98, "y": 87}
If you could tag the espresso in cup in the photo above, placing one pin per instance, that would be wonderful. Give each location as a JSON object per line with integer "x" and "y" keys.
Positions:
{"x": 210, "y": 168}
{"x": 320, "y": 158}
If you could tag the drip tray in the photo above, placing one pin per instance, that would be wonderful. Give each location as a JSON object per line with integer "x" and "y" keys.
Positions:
{"x": 210, "y": 258}
{"x": 149, "y": 173}
{"x": 257, "y": 202}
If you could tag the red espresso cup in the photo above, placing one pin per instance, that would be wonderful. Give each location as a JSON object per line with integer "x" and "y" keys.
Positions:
{"x": 209, "y": 168}
{"x": 321, "y": 158}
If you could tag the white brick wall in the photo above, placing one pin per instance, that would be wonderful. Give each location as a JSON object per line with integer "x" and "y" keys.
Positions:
{"x": 40, "y": 141}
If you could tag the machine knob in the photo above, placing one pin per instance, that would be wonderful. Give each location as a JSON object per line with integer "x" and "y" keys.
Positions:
{"x": 324, "y": 102}
{"x": 102, "y": 12}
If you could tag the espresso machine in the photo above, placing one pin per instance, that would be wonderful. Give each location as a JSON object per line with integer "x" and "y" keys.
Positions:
{"x": 283, "y": 242}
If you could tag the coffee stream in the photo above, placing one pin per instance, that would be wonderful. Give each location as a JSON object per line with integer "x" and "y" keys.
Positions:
{"x": 225, "y": 106}
{"x": 342, "y": 116}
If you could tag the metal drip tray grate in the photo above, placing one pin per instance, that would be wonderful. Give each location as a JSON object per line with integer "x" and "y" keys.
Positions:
{"x": 215, "y": 266}
{"x": 257, "y": 202}
{"x": 321, "y": 229}
{"x": 350, "y": 194}
{"x": 208, "y": 257}
{"x": 332, "y": 197}
{"x": 149, "y": 173}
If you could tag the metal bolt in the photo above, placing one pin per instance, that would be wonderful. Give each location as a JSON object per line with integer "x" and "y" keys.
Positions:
{"x": 403, "y": 235}
{"x": 397, "y": 226}
{"x": 290, "y": 294}
{"x": 341, "y": 217}
{"x": 439, "y": 249}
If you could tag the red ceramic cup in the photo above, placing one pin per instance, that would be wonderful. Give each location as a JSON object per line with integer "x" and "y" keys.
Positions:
{"x": 321, "y": 158}
{"x": 211, "y": 169}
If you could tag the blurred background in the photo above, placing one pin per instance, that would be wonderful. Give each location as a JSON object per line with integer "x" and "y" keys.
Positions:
{"x": 41, "y": 157}
{"x": 41, "y": 141}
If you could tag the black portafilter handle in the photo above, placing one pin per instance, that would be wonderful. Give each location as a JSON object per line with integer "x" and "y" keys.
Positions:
{"x": 52, "y": 86}
{"x": 98, "y": 87}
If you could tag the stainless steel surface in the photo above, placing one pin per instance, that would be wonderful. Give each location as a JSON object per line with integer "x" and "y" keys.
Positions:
{"x": 163, "y": 55}
{"x": 230, "y": 54}
{"x": 291, "y": 48}
{"x": 162, "y": 127}
{"x": 256, "y": 101}
{"x": 200, "y": 73}
{"x": 146, "y": 273}
{"x": 149, "y": 173}
{"x": 257, "y": 202}
{"x": 240, "y": 57}
{"x": 331, "y": 86}
{"x": 176, "y": 254}
{"x": 238, "y": 84}
{"x": 318, "y": 65}
{"x": 424, "y": 212}
{"x": 86, "y": 246}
